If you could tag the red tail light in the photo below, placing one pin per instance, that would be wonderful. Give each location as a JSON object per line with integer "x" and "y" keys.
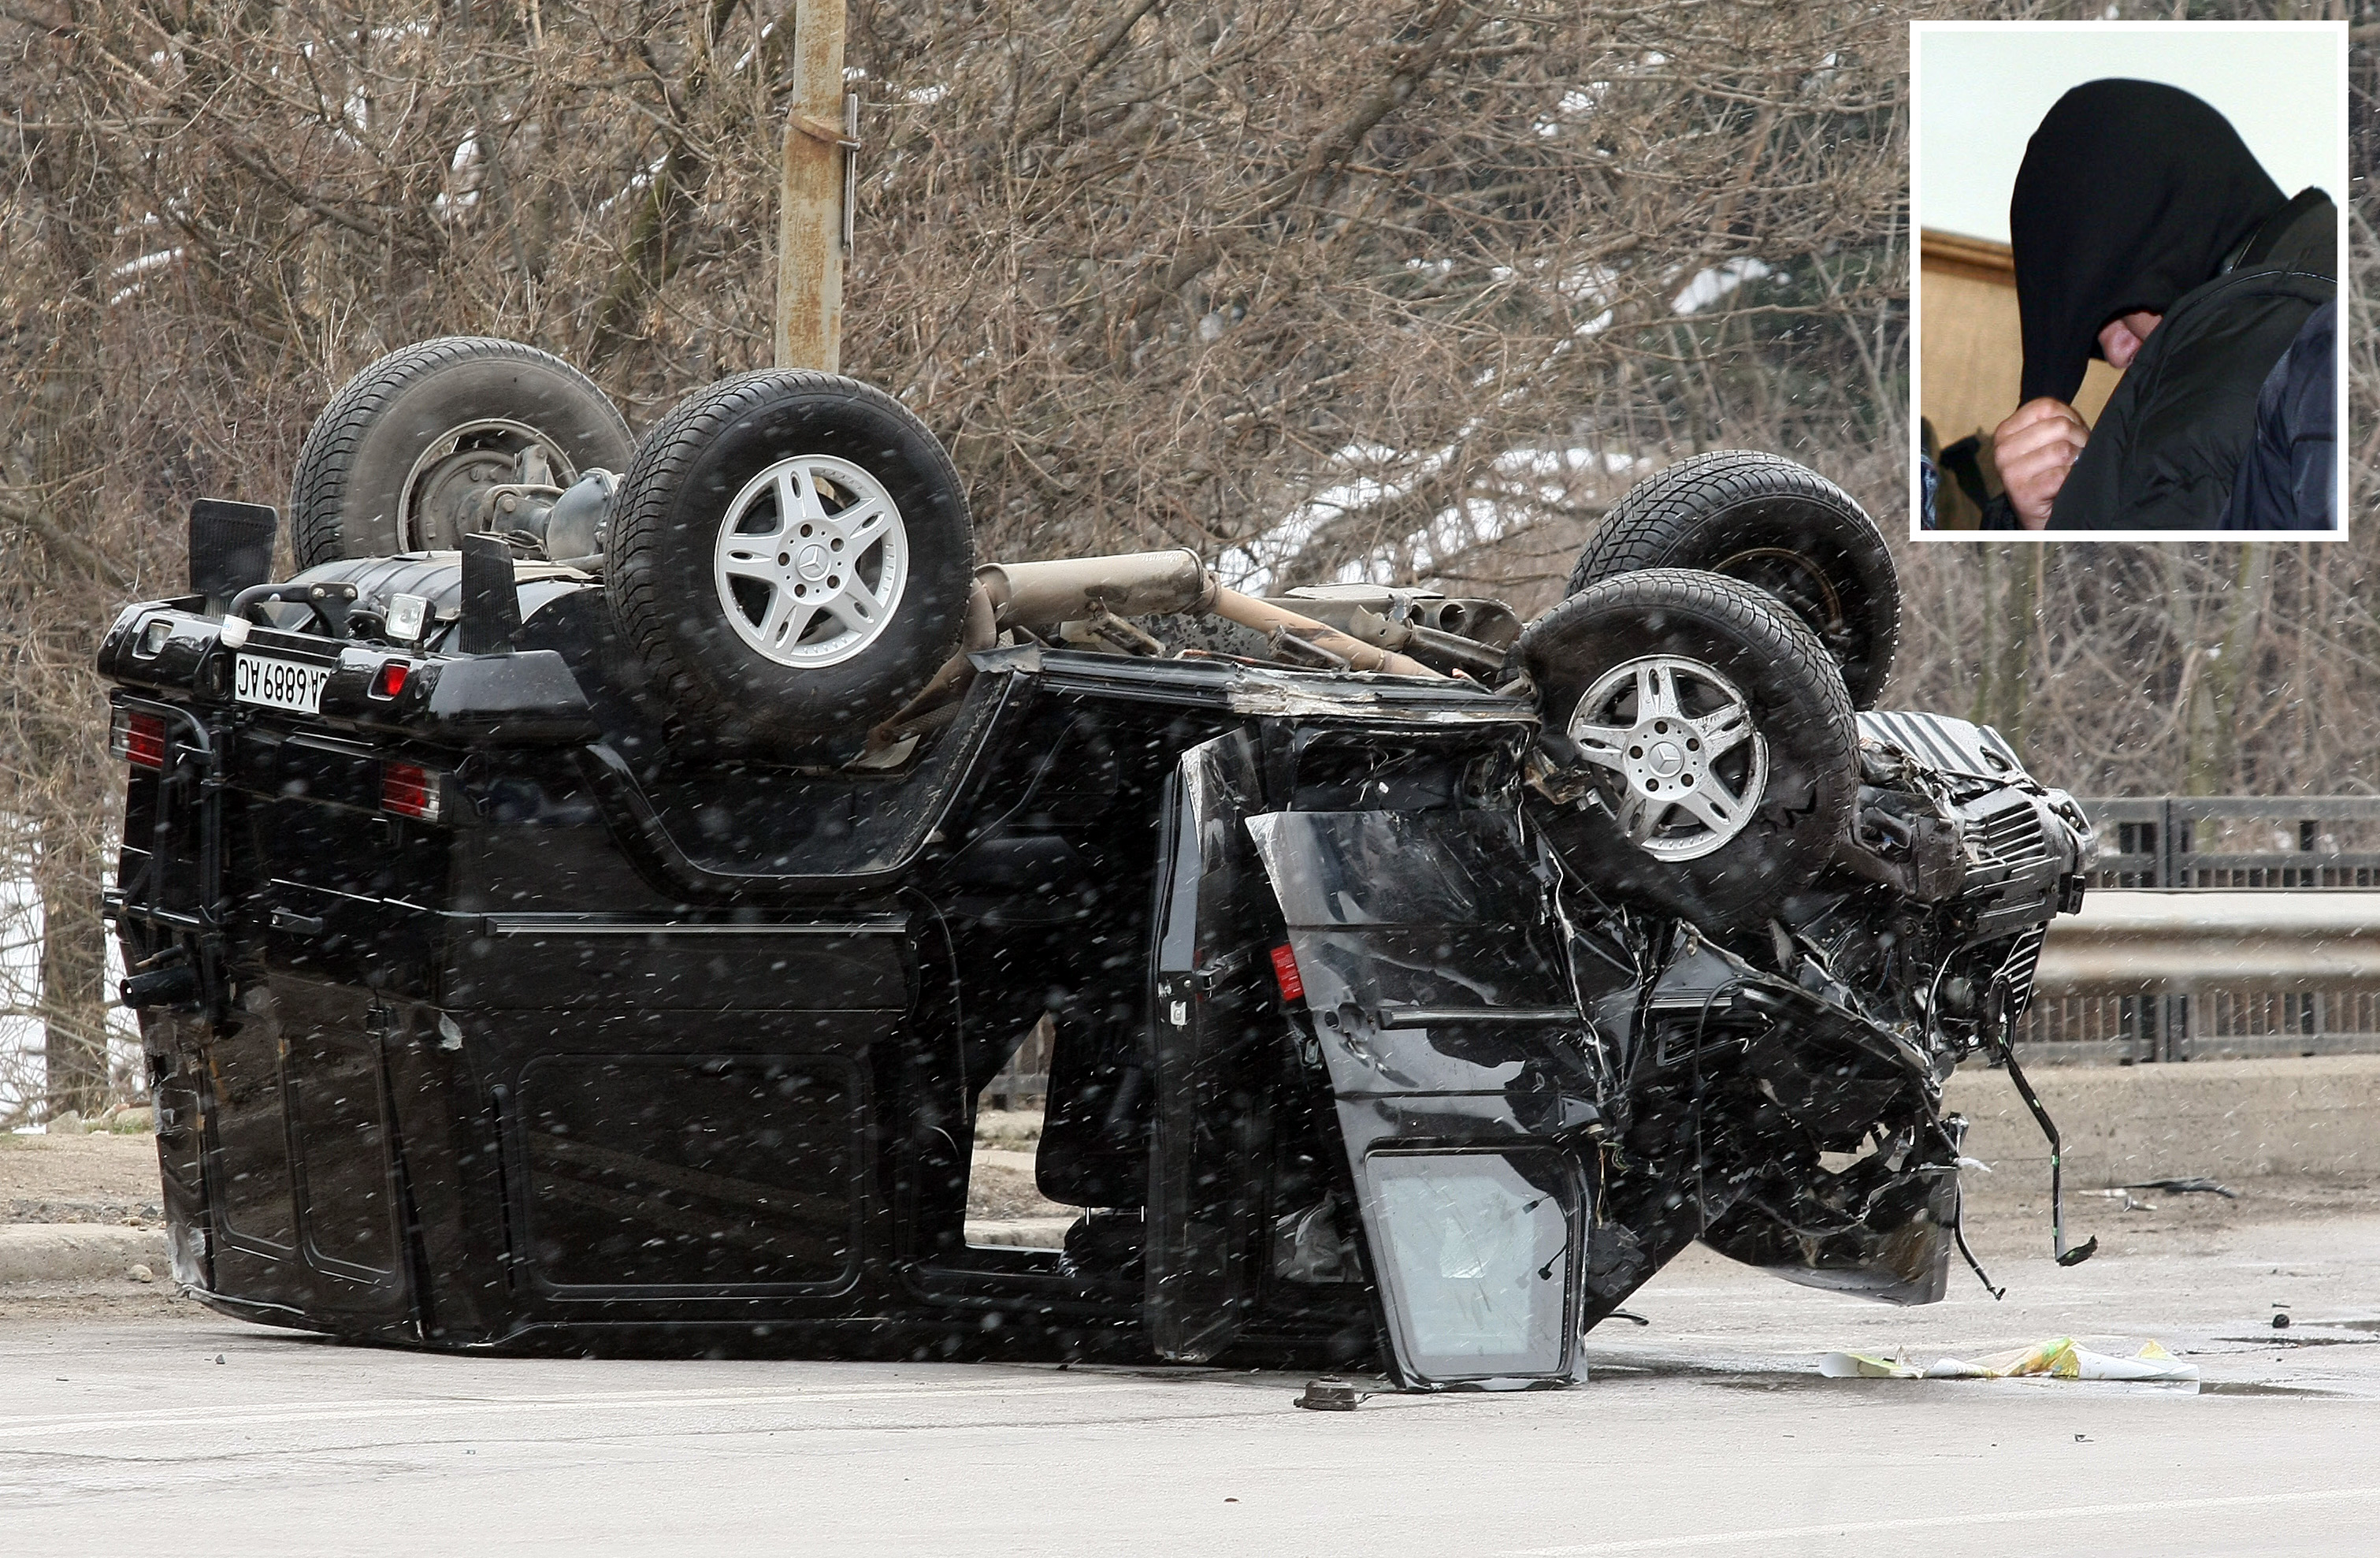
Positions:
{"x": 1285, "y": 968}
{"x": 391, "y": 680}
{"x": 139, "y": 739}
{"x": 409, "y": 790}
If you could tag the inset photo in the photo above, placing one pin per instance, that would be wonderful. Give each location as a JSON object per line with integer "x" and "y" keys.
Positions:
{"x": 2127, "y": 291}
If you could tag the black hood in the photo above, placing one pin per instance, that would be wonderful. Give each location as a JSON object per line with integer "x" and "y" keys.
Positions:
{"x": 2131, "y": 193}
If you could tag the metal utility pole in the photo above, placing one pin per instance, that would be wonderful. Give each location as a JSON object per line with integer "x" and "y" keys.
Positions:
{"x": 815, "y": 199}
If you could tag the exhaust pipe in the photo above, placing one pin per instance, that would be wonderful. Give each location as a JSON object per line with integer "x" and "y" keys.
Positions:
{"x": 1136, "y": 584}
{"x": 1271, "y": 620}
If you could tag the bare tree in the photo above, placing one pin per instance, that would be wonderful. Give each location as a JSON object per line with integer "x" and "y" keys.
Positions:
{"x": 1405, "y": 290}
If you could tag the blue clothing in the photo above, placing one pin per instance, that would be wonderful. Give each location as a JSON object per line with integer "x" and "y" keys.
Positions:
{"x": 2287, "y": 481}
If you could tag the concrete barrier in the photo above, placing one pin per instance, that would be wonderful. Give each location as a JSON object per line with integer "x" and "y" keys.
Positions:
{"x": 79, "y": 1252}
{"x": 1023, "y": 1233}
{"x": 2315, "y": 1117}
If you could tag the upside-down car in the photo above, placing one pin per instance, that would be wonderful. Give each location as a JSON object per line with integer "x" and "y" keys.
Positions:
{"x": 581, "y": 906}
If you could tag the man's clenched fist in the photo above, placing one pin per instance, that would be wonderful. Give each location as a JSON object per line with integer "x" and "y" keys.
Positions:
{"x": 2034, "y": 449}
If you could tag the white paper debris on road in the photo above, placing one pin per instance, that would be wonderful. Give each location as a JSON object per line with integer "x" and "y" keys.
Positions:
{"x": 2060, "y": 1357}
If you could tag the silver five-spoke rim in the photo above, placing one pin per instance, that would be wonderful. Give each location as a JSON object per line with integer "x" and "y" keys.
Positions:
{"x": 811, "y": 561}
{"x": 1678, "y": 739}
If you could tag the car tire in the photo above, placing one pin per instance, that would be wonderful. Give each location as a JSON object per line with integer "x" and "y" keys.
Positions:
{"x": 1635, "y": 670}
{"x": 391, "y": 463}
{"x": 713, "y": 582}
{"x": 1770, "y": 523}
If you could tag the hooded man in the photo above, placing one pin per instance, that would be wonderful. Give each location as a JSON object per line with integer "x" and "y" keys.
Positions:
{"x": 2146, "y": 234}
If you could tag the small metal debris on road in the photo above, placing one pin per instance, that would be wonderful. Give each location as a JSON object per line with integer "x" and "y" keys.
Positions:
{"x": 1331, "y": 1393}
{"x": 2194, "y": 1187}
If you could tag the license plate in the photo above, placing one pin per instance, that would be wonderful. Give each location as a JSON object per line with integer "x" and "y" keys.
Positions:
{"x": 279, "y": 684}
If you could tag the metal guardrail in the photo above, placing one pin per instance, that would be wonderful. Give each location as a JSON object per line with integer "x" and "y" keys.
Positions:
{"x": 1024, "y": 1082}
{"x": 2247, "y": 991}
{"x": 2183, "y": 974}
{"x": 2095, "y": 1028}
{"x": 2164, "y": 842}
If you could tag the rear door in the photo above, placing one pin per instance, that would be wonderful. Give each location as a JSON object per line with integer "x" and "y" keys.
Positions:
{"x": 1213, "y": 1039}
{"x": 1463, "y": 1073}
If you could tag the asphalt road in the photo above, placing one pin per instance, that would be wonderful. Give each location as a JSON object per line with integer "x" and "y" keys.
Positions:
{"x": 1708, "y": 1430}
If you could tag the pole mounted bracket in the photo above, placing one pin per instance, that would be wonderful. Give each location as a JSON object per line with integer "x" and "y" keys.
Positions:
{"x": 822, "y": 129}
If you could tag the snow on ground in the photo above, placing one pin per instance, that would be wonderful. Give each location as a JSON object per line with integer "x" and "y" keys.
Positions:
{"x": 22, "y": 1073}
{"x": 20, "y": 983}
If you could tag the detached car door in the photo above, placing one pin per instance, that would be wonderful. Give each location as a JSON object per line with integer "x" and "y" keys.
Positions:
{"x": 1462, "y": 1074}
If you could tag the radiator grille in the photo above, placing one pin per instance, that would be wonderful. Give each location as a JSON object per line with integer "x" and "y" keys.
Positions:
{"x": 2024, "y": 958}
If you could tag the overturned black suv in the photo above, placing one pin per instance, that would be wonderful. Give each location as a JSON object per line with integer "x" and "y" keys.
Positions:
{"x": 582, "y": 910}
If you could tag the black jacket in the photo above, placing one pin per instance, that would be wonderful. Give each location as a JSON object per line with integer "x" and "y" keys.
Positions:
{"x": 2166, "y": 448}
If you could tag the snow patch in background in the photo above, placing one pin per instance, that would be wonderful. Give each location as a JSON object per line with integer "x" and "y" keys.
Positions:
{"x": 1250, "y": 567}
{"x": 23, "y": 1074}
{"x": 1708, "y": 286}
{"x": 1525, "y": 478}
{"x": 1528, "y": 478}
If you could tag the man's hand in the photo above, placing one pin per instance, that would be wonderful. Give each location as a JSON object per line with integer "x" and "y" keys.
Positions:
{"x": 2034, "y": 449}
